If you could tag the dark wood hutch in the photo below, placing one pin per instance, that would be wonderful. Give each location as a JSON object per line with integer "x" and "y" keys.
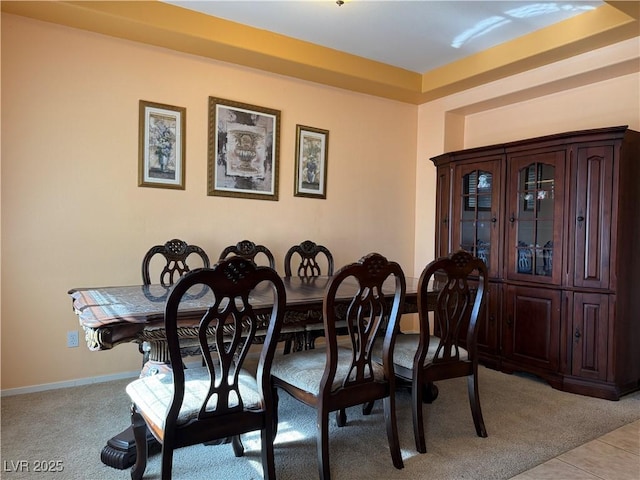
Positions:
{"x": 557, "y": 220}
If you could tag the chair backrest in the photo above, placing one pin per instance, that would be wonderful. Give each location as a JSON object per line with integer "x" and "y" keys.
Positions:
{"x": 249, "y": 250}
{"x": 457, "y": 306}
{"x": 230, "y": 325}
{"x": 175, "y": 253}
{"x": 309, "y": 266}
{"x": 376, "y": 289}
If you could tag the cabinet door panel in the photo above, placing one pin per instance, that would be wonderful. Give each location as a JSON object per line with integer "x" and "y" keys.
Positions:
{"x": 443, "y": 213}
{"x": 591, "y": 222}
{"x": 535, "y": 210}
{"x": 590, "y": 335}
{"x": 475, "y": 225}
{"x": 532, "y": 328}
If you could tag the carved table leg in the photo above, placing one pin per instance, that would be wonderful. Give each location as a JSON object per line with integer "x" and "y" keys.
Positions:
{"x": 120, "y": 451}
{"x": 429, "y": 391}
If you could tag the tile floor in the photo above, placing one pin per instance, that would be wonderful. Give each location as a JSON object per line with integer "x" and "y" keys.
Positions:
{"x": 614, "y": 456}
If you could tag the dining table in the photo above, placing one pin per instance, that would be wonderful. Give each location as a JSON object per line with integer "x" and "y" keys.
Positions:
{"x": 116, "y": 315}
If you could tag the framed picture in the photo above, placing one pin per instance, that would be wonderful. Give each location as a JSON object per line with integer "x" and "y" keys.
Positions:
{"x": 311, "y": 162}
{"x": 161, "y": 150}
{"x": 244, "y": 150}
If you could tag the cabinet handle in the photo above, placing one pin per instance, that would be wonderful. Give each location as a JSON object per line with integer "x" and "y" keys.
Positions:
{"x": 494, "y": 220}
{"x": 509, "y": 321}
{"x": 577, "y": 334}
{"x": 581, "y": 218}
{"x": 512, "y": 219}
{"x": 445, "y": 220}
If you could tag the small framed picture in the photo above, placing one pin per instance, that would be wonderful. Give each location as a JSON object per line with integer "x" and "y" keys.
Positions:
{"x": 161, "y": 145}
{"x": 312, "y": 146}
{"x": 244, "y": 149}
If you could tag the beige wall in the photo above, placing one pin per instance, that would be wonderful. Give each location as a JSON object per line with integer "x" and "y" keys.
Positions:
{"x": 73, "y": 215}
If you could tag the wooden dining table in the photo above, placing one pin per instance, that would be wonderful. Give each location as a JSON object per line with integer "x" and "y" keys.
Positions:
{"x": 115, "y": 315}
{"x": 110, "y": 316}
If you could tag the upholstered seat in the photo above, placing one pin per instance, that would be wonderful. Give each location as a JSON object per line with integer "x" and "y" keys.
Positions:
{"x": 304, "y": 370}
{"x": 407, "y": 344}
{"x": 154, "y": 395}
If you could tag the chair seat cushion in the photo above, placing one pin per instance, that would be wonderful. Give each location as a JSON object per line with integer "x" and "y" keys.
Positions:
{"x": 341, "y": 326}
{"x": 407, "y": 345}
{"x": 304, "y": 369}
{"x": 153, "y": 395}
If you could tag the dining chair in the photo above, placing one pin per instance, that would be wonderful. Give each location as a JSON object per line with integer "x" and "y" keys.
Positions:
{"x": 169, "y": 261}
{"x": 220, "y": 400}
{"x": 259, "y": 253}
{"x": 175, "y": 254}
{"x": 249, "y": 250}
{"x": 451, "y": 351}
{"x": 308, "y": 254}
{"x": 310, "y": 259}
{"x": 342, "y": 375}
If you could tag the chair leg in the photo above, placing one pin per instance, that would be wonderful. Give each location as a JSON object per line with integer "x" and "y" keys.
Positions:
{"x": 267, "y": 436}
{"x": 367, "y": 408}
{"x": 310, "y": 341}
{"x": 274, "y": 417}
{"x": 287, "y": 346}
{"x": 392, "y": 430}
{"x": 167, "y": 459}
{"x": 238, "y": 448}
{"x": 140, "y": 435}
{"x": 474, "y": 402}
{"x": 341, "y": 417}
{"x": 418, "y": 419}
{"x": 322, "y": 444}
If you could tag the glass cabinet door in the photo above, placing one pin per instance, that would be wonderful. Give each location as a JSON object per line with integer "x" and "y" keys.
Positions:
{"x": 476, "y": 204}
{"x": 535, "y": 211}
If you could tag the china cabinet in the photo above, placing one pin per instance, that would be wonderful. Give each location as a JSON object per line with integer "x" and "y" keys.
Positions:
{"x": 557, "y": 221}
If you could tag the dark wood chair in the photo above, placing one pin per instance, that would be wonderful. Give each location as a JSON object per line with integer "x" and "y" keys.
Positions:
{"x": 451, "y": 351}
{"x": 187, "y": 406}
{"x": 310, "y": 259}
{"x": 249, "y": 250}
{"x": 259, "y": 253}
{"x": 170, "y": 261}
{"x": 175, "y": 254}
{"x": 307, "y": 255}
{"x": 345, "y": 375}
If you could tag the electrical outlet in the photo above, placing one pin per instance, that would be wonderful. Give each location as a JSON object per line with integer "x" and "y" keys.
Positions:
{"x": 72, "y": 338}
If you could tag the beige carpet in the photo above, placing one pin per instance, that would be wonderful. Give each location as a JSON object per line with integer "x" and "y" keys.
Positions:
{"x": 527, "y": 421}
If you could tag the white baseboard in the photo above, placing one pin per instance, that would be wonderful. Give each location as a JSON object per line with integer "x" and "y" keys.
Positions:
{"x": 253, "y": 355}
{"x": 69, "y": 383}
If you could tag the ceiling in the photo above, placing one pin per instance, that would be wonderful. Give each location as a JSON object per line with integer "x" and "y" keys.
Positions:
{"x": 415, "y": 35}
{"x": 410, "y": 51}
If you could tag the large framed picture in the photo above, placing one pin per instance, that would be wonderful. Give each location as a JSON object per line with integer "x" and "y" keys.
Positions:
{"x": 312, "y": 146}
{"x": 244, "y": 150}
{"x": 161, "y": 145}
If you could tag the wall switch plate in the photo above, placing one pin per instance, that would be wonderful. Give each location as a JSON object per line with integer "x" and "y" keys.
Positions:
{"x": 72, "y": 338}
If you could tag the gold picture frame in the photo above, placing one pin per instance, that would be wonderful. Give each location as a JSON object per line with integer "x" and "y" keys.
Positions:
{"x": 244, "y": 150}
{"x": 312, "y": 147}
{"x": 161, "y": 145}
